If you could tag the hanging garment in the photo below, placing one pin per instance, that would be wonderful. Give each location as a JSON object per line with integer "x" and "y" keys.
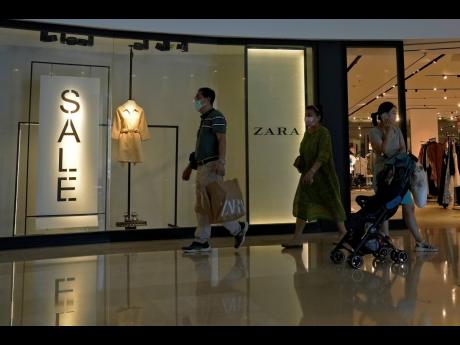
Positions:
{"x": 447, "y": 179}
{"x": 451, "y": 160}
{"x": 422, "y": 156}
{"x": 370, "y": 163}
{"x": 442, "y": 181}
{"x": 361, "y": 166}
{"x": 129, "y": 127}
{"x": 352, "y": 163}
{"x": 456, "y": 170}
{"x": 435, "y": 154}
{"x": 433, "y": 190}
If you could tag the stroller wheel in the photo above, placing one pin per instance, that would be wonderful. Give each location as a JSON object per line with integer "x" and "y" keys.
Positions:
{"x": 394, "y": 255}
{"x": 337, "y": 256}
{"x": 355, "y": 261}
{"x": 382, "y": 253}
{"x": 402, "y": 256}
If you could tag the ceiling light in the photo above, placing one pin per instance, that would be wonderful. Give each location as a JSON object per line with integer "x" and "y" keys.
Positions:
{"x": 46, "y": 37}
{"x": 72, "y": 40}
{"x": 445, "y": 97}
{"x": 183, "y": 47}
{"x": 435, "y": 89}
{"x": 165, "y": 46}
{"x": 445, "y": 77}
{"x": 141, "y": 46}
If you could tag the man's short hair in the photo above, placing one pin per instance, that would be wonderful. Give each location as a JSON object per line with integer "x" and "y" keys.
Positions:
{"x": 208, "y": 93}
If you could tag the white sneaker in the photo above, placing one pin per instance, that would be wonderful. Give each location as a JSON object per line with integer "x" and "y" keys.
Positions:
{"x": 425, "y": 247}
{"x": 239, "y": 239}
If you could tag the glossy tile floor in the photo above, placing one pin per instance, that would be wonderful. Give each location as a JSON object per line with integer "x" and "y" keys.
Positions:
{"x": 150, "y": 283}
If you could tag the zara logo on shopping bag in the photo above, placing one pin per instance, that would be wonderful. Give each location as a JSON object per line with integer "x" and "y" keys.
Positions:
{"x": 233, "y": 206}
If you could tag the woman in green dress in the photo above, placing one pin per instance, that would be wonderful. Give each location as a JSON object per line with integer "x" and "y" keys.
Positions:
{"x": 318, "y": 192}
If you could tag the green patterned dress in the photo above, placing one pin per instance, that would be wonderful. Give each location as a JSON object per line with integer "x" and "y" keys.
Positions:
{"x": 321, "y": 199}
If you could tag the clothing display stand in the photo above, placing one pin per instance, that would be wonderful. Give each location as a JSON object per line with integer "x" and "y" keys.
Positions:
{"x": 131, "y": 221}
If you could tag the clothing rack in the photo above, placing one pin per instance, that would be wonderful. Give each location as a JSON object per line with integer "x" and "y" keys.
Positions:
{"x": 131, "y": 55}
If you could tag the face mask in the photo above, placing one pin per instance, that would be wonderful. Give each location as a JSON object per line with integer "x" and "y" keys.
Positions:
{"x": 310, "y": 121}
{"x": 197, "y": 104}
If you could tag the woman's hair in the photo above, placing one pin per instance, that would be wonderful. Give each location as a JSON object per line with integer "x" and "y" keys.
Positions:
{"x": 318, "y": 109}
{"x": 385, "y": 107}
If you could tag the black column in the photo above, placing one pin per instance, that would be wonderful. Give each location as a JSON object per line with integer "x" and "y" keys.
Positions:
{"x": 331, "y": 69}
{"x": 402, "y": 92}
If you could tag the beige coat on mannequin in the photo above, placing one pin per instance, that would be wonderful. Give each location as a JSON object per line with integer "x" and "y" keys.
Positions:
{"x": 129, "y": 127}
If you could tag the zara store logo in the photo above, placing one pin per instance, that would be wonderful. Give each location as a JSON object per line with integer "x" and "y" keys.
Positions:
{"x": 275, "y": 131}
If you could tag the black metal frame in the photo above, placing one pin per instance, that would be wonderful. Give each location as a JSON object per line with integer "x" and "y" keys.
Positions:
{"x": 400, "y": 77}
{"x": 29, "y": 123}
{"x": 399, "y": 48}
{"x": 174, "y": 225}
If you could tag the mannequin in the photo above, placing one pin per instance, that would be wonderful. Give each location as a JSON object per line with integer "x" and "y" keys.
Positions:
{"x": 129, "y": 127}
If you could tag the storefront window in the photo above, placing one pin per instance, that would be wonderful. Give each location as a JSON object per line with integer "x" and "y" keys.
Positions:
{"x": 59, "y": 109}
{"x": 64, "y": 170}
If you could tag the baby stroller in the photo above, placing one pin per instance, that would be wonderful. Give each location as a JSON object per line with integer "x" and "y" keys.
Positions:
{"x": 363, "y": 236}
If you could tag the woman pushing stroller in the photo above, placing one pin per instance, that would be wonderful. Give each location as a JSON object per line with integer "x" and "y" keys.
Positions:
{"x": 387, "y": 140}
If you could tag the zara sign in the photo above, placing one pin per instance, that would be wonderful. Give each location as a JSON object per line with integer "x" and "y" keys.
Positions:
{"x": 68, "y": 146}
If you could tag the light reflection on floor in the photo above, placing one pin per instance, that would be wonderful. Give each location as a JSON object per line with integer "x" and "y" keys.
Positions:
{"x": 258, "y": 285}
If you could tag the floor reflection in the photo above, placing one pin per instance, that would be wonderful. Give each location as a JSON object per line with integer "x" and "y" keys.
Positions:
{"x": 258, "y": 285}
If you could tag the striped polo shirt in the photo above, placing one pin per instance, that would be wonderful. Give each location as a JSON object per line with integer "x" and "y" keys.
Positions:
{"x": 207, "y": 146}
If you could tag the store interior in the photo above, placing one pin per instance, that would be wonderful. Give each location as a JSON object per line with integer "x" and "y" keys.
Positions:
{"x": 432, "y": 89}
